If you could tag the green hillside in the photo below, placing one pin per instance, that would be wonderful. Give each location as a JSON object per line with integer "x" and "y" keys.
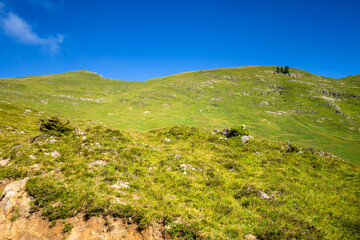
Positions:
{"x": 304, "y": 108}
{"x": 191, "y": 182}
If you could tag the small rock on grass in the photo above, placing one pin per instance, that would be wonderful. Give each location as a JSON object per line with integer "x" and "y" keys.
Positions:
{"x": 4, "y": 162}
{"x": 244, "y": 139}
{"x": 55, "y": 154}
{"x": 250, "y": 237}
{"x": 265, "y": 196}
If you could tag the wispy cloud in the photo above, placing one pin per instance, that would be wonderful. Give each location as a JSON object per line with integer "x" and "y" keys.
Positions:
{"x": 48, "y": 4}
{"x": 17, "y": 28}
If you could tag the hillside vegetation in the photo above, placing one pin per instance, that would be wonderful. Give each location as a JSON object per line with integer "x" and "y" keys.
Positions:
{"x": 304, "y": 108}
{"x": 193, "y": 182}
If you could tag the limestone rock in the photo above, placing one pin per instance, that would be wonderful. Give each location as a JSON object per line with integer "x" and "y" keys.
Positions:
{"x": 55, "y": 154}
{"x": 226, "y": 131}
{"x": 4, "y": 162}
{"x": 265, "y": 196}
{"x": 12, "y": 195}
{"x": 250, "y": 237}
{"x": 244, "y": 139}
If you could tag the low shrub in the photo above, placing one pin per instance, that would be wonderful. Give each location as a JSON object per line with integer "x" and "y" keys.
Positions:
{"x": 67, "y": 227}
{"x": 293, "y": 148}
{"x": 182, "y": 231}
{"x": 238, "y": 131}
{"x": 54, "y": 126}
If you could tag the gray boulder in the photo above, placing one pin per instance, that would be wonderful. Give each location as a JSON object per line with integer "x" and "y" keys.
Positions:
{"x": 226, "y": 131}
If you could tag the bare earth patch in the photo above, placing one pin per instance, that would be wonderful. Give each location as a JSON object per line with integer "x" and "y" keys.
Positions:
{"x": 16, "y": 221}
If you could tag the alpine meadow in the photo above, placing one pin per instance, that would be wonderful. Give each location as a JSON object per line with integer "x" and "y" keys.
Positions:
{"x": 257, "y": 152}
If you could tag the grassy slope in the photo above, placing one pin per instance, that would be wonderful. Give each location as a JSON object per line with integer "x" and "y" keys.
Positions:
{"x": 216, "y": 198}
{"x": 278, "y": 107}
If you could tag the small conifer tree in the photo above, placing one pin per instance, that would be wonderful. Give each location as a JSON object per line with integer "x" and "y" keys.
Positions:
{"x": 277, "y": 69}
{"x": 286, "y": 71}
{"x": 282, "y": 70}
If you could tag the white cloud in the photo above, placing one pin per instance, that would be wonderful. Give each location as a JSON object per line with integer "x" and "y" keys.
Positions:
{"x": 48, "y": 4}
{"x": 16, "y": 27}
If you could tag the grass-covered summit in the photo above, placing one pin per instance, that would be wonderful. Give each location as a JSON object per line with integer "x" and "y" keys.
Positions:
{"x": 196, "y": 183}
{"x": 304, "y": 108}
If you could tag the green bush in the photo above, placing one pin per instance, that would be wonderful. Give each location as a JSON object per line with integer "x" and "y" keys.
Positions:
{"x": 182, "y": 231}
{"x": 54, "y": 126}
{"x": 293, "y": 148}
{"x": 238, "y": 131}
{"x": 67, "y": 227}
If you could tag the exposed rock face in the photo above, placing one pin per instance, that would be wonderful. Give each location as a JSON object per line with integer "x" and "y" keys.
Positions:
{"x": 17, "y": 223}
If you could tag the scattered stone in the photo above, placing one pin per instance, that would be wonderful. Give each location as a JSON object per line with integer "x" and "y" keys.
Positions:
{"x": 221, "y": 138}
{"x": 177, "y": 156}
{"x": 167, "y": 140}
{"x": 78, "y": 131}
{"x": 216, "y": 130}
{"x": 32, "y": 156}
{"x": 36, "y": 138}
{"x": 135, "y": 196}
{"x": 36, "y": 166}
{"x": 309, "y": 149}
{"x": 303, "y": 111}
{"x": 264, "y": 103}
{"x": 216, "y": 99}
{"x": 250, "y": 237}
{"x": 27, "y": 110}
{"x": 4, "y": 162}
{"x": 244, "y": 139}
{"x": 55, "y": 154}
{"x": 147, "y": 112}
{"x": 296, "y": 75}
{"x": 226, "y": 131}
{"x": 265, "y": 196}
{"x": 98, "y": 162}
{"x": 278, "y": 113}
{"x": 121, "y": 185}
{"x": 183, "y": 167}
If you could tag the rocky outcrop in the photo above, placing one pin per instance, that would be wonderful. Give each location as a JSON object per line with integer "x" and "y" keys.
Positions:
{"x": 16, "y": 222}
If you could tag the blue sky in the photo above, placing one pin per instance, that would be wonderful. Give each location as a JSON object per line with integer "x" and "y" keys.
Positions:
{"x": 142, "y": 39}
